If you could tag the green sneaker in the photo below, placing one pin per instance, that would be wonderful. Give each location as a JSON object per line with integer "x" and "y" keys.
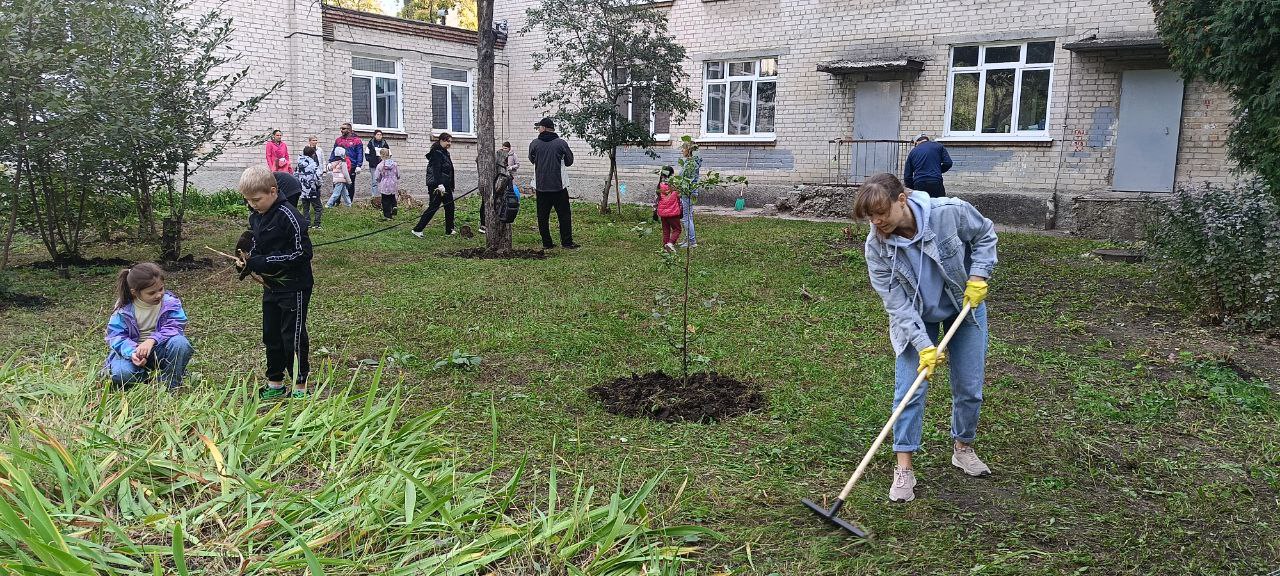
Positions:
{"x": 299, "y": 395}
{"x": 271, "y": 393}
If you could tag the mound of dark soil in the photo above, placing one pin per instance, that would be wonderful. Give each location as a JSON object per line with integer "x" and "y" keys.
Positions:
{"x": 484, "y": 254}
{"x": 15, "y": 300}
{"x": 708, "y": 397}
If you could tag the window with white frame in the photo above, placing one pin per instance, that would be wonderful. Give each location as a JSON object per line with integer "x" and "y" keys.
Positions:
{"x": 375, "y": 94}
{"x": 738, "y": 98}
{"x": 451, "y": 100}
{"x": 635, "y": 103}
{"x": 1000, "y": 90}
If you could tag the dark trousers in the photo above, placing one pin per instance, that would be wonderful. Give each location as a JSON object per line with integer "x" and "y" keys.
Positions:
{"x": 312, "y": 208}
{"x": 560, "y": 202}
{"x": 438, "y": 200}
{"x": 388, "y": 205}
{"x": 933, "y": 187}
{"x": 284, "y": 333}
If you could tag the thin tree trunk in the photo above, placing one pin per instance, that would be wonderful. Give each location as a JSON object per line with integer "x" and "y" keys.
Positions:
{"x": 608, "y": 183}
{"x": 617, "y": 179}
{"x": 684, "y": 333}
{"x": 13, "y": 216}
{"x": 497, "y": 233}
{"x": 46, "y": 237}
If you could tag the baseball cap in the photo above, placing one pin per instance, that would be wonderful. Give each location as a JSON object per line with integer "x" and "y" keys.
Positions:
{"x": 547, "y": 122}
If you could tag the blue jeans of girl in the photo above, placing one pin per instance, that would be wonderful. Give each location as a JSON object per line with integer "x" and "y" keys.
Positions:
{"x": 339, "y": 191}
{"x": 170, "y": 359}
{"x": 686, "y": 203}
{"x": 966, "y": 359}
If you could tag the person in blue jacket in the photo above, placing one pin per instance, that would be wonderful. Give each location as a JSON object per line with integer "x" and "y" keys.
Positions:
{"x": 925, "y": 165}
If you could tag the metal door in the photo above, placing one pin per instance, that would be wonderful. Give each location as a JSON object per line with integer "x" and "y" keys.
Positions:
{"x": 1147, "y": 134}
{"x": 877, "y": 111}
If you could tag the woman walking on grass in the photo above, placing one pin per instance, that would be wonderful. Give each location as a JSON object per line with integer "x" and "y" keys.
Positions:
{"x": 440, "y": 184}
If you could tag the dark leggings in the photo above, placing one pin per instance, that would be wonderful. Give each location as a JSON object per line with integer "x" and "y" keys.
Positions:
{"x": 388, "y": 205}
{"x": 438, "y": 200}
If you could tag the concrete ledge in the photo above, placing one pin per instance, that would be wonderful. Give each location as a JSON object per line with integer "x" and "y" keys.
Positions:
{"x": 1020, "y": 208}
{"x": 1116, "y": 215}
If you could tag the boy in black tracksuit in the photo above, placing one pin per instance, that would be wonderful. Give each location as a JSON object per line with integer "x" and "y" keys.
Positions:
{"x": 281, "y": 254}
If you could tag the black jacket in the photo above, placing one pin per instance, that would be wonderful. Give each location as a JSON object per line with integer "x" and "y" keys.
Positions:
{"x": 372, "y": 155}
{"x": 547, "y": 153}
{"x": 288, "y": 186}
{"x": 439, "y": 169}
{"x": 281, "y": 251}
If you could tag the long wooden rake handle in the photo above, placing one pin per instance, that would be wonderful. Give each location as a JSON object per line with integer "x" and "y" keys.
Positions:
{"x": 906, "y": 399}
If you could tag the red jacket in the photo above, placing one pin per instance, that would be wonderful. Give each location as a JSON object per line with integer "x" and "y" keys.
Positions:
{"x": 274, "y": 153}
{"x": 669, "y": 205}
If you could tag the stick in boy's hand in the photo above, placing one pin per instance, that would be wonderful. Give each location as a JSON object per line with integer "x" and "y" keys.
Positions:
{"x": 239, "y": 265}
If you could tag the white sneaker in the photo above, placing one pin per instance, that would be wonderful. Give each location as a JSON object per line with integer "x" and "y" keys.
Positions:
{"x": 416, "y": 233}
{"x": 966, "y": 459}
{"x": 903, "y": 488}
{"x": 451, "y": 233}
{"x": 482, "y": 229}
{"x": 669, "y": 247}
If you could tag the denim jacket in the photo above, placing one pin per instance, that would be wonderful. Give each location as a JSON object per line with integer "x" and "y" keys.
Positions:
{"x": 958, "y": 238}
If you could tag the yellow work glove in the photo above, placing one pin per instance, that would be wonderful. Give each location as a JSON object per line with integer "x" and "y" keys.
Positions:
{"x": 975, "y": 291}
{"x": 930, "y": 358}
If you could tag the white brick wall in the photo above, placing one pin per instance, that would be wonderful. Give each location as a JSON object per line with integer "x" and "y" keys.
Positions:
{"x": 815, "y": 107}
{"x": 281, "y": 40}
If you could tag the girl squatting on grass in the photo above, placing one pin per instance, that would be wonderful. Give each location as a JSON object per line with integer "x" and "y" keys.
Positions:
{"x": 146, "y": 331}
{"x": 927, "y": 258}
{"x": 281, "y": 254}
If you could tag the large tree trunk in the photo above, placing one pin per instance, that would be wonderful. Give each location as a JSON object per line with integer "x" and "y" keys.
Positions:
{"x": 171, "y": 239}
{"x": 498, "y": 234}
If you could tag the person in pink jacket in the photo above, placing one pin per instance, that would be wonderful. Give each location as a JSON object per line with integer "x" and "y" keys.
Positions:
{"x": 278, "y": 153}
{"x": 669, "y": 211}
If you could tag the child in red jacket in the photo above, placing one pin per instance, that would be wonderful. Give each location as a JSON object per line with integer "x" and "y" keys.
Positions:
{"x": 669, "y": 211}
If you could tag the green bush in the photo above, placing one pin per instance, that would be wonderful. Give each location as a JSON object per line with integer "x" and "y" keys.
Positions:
{"x": 1217, "y": 247}
{"x": 225, "y": 202}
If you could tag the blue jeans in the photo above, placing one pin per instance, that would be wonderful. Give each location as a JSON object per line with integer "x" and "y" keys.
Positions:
{"x": 686, "y": 204}
{"x": 171, "y": 358}
{"x": 339, "y": 191}
{"x": 967, "y": 358}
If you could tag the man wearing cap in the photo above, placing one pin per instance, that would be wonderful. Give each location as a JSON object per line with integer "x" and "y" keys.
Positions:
{"x": 548, "y": 153}
{"x": 925, "y": 165}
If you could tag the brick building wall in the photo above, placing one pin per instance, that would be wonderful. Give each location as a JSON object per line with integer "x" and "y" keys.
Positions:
{"x": 295, "y": 42}
{"x": 815, "y": 107}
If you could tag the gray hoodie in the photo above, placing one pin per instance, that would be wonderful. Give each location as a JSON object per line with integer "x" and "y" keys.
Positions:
{"x": 548, "y": 153}
{"x": 955, "y": 239}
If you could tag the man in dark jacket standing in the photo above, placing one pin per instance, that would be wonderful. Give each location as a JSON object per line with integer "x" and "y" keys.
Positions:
{"x": 925, "y": 165}
{"x": 549, "y": 153}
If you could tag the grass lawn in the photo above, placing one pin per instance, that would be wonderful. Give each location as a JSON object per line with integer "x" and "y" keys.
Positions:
{"x": 1124, "y": 437}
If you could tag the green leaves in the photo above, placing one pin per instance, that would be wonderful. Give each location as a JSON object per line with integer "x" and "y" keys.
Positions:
{"x": 458, "y": 360}
{"x": 347, "y": 482}
{"x": 609, "y": 55}
{"x": 1237, "y": 45}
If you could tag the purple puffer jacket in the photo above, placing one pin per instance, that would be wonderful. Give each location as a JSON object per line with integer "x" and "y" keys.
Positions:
{"x": 123, "y": 333}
